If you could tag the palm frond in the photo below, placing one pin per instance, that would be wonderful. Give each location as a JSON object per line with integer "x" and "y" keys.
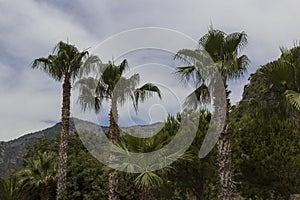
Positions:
{"x": 236, "y": 67}
{"x": 294, "y": 98}
{"x": 212, "y": 43}
{"x": 93, "y": 65}
{"x": 66, "y": 61}
{"x": 144, "y": 92}
{"x": 125, "y": 86}
{"x": 190, "y": 57}
{"x": 47, "y": 65}
{"x": 123, "y": 66}
{"x": 200, "y": 96}
{"x": 40, "y": 171}
{"x": 186, "y": 73}
{"x": 90, "y": 94}
{"x": 278, "y": 72}
{"x": 147, "y": 180}
{"x": 235, "y": 42}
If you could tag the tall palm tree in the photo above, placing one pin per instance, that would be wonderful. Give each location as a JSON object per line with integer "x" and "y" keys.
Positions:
{"x": 112, "y": 85}
{"x": 39, "y": 173}
{"x": 284, "y": 74}
{"x": 224, "y": 51}
{"x": 64, "y": 64}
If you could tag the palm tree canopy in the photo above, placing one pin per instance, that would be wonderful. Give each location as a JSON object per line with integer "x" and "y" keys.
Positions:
{"x": 10, "y": 189}
{"x": 39, "y": 171}
{"x": 65, "y": 60}
{"x": 111, "y": 84}
{"x": 285, "y": 73}
{"x": 215, "y": 49}
{"x": 224, "y": 51}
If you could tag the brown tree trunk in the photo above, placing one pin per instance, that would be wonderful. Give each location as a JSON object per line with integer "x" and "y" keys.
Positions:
{"x": 63, "y": 145}
{"x": 147, "y": 194}
{"x": 45, "y": 194}
{"x": 113, "y": 122}
{"x": 113, "y": 136}
{"x": 113, "y": 186}
{"x": 227, "y": 186}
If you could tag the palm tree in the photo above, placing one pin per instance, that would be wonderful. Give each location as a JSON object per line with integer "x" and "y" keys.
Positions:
{"x": 147, "y": 180}
{"x": 39, "y": 173}
{"x": 10, "y": 190}
{"x": 64, "y": 64}
{"x": 284, "y": 75}
{"x": 224, "y": 51}
{"x": 111, "y": 85}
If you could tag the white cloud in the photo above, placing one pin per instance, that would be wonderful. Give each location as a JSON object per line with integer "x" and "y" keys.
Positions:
{"x": 30, "y": 29}
{"x": 25, "y": 106}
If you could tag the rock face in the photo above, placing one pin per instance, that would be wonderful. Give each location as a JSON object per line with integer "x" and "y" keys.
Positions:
{"x": 12, "y": 152}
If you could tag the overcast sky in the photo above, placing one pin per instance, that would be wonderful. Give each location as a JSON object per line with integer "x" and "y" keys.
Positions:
{"x": 31, "y": 101}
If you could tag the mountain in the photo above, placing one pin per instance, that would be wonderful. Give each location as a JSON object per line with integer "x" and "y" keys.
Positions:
{"x": 12, "y": 152}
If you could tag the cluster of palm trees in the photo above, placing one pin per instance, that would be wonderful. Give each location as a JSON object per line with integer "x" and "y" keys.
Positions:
{"x": 39, "y": 173}
{"x": 67, "y": 63}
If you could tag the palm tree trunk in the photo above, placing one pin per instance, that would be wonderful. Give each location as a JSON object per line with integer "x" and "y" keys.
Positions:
{"x": 147, "y": 194}
{"x": 63, "y": 146}
{"x": 227, "y": 186}
{"x": 113, "y": 122}
{"x": 45, "y": 194}
{"x": 113, "y": 186}
{"x": 113, "y": 136}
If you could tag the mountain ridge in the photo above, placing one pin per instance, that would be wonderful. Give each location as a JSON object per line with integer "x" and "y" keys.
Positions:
{"x": 12, "y": 151}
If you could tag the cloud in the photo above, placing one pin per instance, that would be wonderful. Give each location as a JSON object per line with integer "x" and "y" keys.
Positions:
{"x": 25, "y": 106}
{"x": 30, "y": 98}
{"x": 30, "y": 29}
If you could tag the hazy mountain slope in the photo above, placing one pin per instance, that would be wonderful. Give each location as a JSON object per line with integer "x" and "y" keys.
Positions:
{"x": 11, "y": 152}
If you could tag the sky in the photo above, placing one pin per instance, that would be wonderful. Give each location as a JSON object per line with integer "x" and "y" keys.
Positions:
{"x": 29, "y": 29}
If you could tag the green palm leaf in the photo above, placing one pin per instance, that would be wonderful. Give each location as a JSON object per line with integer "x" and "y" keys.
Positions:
{"x": 147, "y": 180}
{"x": 144, "y": 92}
{"x": 294, "y": 98}
{"x": 200, "y": 96}
{"x": 279, "y": 72}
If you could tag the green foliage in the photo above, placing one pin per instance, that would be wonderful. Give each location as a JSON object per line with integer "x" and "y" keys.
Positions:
{"x": 187, "y": 178}
{"x": 66, "y": 60}
{"x": 285, "y": 73}
{"x": 110, "y": 84}
{"x": 10, "y": 189}
{"x": 39, "y": 175}
{"x": 87, "y": 177}
{"x": 266, "y": 152}
{"x": 191, "y": 178}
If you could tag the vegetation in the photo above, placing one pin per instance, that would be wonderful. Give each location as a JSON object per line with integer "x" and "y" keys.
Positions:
{"x": 64, "y": 64}
{"x": 224, "y": 51}
{"x": 259, "y": 146}
{"x": 39, "y": 174}
{"x": 112, "y": 85}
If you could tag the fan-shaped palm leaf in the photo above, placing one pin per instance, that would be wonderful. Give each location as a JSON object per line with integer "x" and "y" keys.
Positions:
{"x": 279, "y": 72}
{"x": 144, "y": 92}
{"x": 294, "y": 98}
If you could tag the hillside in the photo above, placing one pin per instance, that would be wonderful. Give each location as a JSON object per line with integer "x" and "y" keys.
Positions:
{"x": 11, "y": 152}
